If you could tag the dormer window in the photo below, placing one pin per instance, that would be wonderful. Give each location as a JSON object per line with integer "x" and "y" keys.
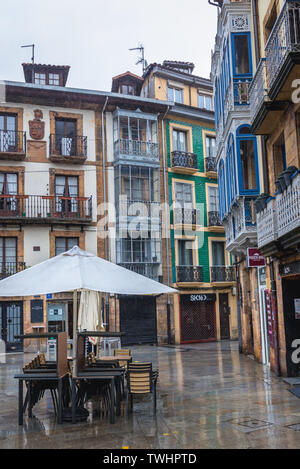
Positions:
{"x": 127, "y": 89}
{"x": 40, "y": 78}
{"x": 54, "y": 79}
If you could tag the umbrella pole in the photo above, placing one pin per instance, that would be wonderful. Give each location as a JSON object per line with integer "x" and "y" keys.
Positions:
{"x": 74, "y": 332}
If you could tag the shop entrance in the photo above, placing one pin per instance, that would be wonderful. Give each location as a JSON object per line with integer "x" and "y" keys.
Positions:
{"x": 138, "y": 320}
{"x": 224, "y": 316}
{"x": 11, "y": 324}
{"x": 291, "y": 305}
{"x": 198, "y": 318}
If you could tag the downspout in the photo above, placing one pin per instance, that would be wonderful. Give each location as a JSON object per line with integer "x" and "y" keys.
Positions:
{"x": 255, "y": 23}
{"x": 167, "y": 218}
{"x": 104, "y": 201}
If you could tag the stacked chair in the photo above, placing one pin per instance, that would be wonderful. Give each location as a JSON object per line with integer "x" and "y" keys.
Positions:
{"x": 141, "y": 379}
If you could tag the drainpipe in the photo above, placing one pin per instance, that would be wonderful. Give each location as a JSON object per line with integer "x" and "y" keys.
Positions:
{"x": 104, "y": 201}
{"x": 166, "y": 216}
{"x": 255, "y": 23}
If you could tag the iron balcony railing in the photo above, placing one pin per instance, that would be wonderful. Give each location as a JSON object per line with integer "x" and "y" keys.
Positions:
{"x": 8, "y": 268}
{"x": 41, "y": 208}
{"x": 266, "y": 224}
{"x": 211, "y": 164}
{"x": 12, "y": 141}
{"x": 188, "y": 273}
{"x": 287, "y": 206}
{"x": 221, "y": 273}
{"x": 214, "y": 219}
{"x": 241, "y": 92}
{"x": 68, "y": 146}
{"x": 136, "y": 148}
{"x": 181, "y": 159}
{"x": 147, "y": 269}
{"x": 186, "y": 216}
{"x": 258, "y": 90}
{"x": 284, "y": 39}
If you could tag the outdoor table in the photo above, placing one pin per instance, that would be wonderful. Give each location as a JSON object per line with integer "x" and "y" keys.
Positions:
{"x": 38, "y": 377}
{"x": 113, "y": 375}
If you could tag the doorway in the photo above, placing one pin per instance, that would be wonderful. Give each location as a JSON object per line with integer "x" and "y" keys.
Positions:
{"x": 11, "y": 324}
{"x": 224, "y": 316}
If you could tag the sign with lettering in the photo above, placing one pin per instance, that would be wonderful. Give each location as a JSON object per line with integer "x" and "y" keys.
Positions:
{"x": 202, "y": 297}
{"x": 36, "y": 311}
{"x": 269, "y": 318}
{"x": 254, "y": 258}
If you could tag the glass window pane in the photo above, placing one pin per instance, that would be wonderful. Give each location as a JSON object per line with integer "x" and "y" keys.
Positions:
{"x": 247, "y": 155}
{"x": 241, "y": 47}
{"x": 218, "y": 253}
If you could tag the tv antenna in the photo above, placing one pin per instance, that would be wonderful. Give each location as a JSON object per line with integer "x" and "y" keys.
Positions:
{"x": 32, "y": 47}
{"x": 141, "y": 59}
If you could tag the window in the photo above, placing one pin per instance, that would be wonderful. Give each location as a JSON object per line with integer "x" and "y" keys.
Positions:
{"x": 65, "y": 244}
{"x": 180, "y": 140}
{"x": 185, "y": 252}
{"x": 213, "y": 199}
{"x": 65, "y": 136}
{"x": 8, "y": 252}
{"x": 175, "y": 94}
{"x": 132, "y": 128}
{"x": 66, "y": 186}
{"x": 8, "y": 186}
{"x": 40, "y": 78}
{"x": 184, "y": 194}
{"x": 218, "y": 253}
{"x": 279, "y": 156}
{"x": 210, "y": 145}
{"x": 138, "y": 250}
{"x": 222, "y": 191}
{"x": 8, "y": 127}
{"x": 127, "y": 89}
{"x": 247, "y": 161}
{"x": 205, "y": 101}
{"x": 138, "y": 183}
{"x": 54, "y": 79}
{"x": 241, "y": 54}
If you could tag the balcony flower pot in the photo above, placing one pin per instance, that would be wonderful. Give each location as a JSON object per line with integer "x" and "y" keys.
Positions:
{"x": 280, "y": 183}
{"x": 261, "y": 202}
{"x": 288, "y": 173}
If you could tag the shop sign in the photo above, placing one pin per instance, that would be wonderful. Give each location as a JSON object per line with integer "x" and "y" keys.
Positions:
{"x": 269, "y": 318}
{"x": 202, "y": 298}
{"x": 289, "y": 269}
{"x": 36, "y": 311}
{"x": 254, "y": 258}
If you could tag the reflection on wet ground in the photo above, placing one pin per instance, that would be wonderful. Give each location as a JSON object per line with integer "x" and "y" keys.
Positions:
{"x": 209, "y": 396}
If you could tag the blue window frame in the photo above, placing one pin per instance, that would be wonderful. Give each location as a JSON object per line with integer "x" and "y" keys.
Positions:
{"x": 222, "y": 190}
{"x": 248, "y": 170}
{"x": 231, "y": 187}
{"x": 241, "y": 55}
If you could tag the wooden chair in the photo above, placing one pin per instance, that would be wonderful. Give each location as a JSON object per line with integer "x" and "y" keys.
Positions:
{"x": 122, "y": 352}
{"x": 141, "y": 379}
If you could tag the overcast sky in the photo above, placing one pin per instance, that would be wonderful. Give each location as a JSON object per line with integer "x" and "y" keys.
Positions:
{"x": 93, "y": 36}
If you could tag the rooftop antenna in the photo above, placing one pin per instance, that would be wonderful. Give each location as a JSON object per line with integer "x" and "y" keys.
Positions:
{"x": 32, "y": 58}
{"x": 141, "y": 59}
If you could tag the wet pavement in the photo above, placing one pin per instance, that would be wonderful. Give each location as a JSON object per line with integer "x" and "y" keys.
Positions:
{"x": 209, "y": 396}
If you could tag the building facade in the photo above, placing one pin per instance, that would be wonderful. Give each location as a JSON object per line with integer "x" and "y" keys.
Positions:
{"x": 275, "y": 108}
{"x": 205, "y": 309}
{"x": 239, "y": 163}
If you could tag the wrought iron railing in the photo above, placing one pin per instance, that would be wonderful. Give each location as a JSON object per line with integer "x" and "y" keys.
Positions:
{"x": 258, "y": 90}
{"x": 38, "y": 207}
{"x": 12, "y": 141}
{"x": 266, "y": 225}
{"x": 182, "y": 159}
{"x": 284, "y": 39}
{"x": 147, "y": 269}
{"x": 214, "y": 219}
{"x": 221, "y": 273}
{"x": 288, "y": 208}
{"x": 241, "y": 91}
{"x": 136, "y": 148}
{"x": 188, "y": 273}
{"x": 211, "y": 165}
{"x": 186, "y": 216}
{"x": 8, "y": 268}
{"x": 68, "y": 146}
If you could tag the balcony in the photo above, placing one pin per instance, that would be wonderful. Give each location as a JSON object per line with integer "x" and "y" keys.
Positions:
{"x": 12, "y": 145}
{"x": 147, "y": 269}
{"x": 67, "y": 149}
{"x": 189, "y": 274}
{"x": 241, "y": 92}
{"x": 214, "y": 219}
{"x": 211, "y": 166}
{"x": 32, "y": 209}
{"x": 186, "y": 216}
{"x": 10, "y": 268}
{"x": 282, "y": 52}
{"x": 184, "y": 162}
{"x": 267, "y": 228}
{"x": 240, "y": 226}
{"x": 288, "y": 213}
{"x": 222, "y": 274}
{"x": 133, "y": 150}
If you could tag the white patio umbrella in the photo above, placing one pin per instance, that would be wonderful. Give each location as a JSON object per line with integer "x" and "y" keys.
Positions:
{"x": 88, "y": 314}
{"x": 77, "y": 270}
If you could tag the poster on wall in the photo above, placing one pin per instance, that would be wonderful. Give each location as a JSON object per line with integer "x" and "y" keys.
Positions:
{"x": 297, "y": 308}
{"x": 269, "y": 318}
